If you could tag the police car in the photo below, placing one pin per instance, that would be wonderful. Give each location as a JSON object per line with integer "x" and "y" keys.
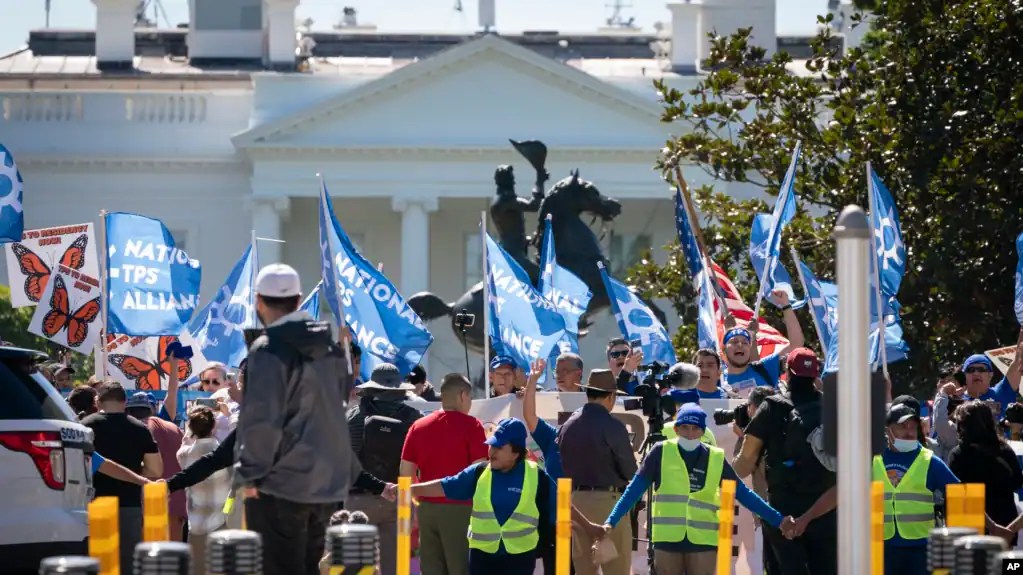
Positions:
{"x": 45, "y": 474}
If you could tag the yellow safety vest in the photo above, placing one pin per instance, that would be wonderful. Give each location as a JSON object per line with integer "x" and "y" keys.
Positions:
{"x": 680, "y": 515}
{"x": 519, "y": 533}
{"x": 910, "y": 506}
{"x": 707, "y": 437}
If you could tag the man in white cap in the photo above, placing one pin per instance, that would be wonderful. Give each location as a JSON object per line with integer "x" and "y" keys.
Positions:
{"x": 295, "y": 459}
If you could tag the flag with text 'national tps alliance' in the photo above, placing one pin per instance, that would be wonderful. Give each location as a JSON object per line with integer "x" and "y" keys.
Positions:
{"x": 564, "y": 289}
{"x": 152, "y": 286}
{"x": 361, "y": 297}
{"x": 219, "y": 327}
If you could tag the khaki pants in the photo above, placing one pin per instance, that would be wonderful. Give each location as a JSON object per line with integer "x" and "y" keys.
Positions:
{"x": 383, "y": 514}
{"x": 596, "y": 506}
{"x": 672, "y": 563}
{"x": 443, "y": 541}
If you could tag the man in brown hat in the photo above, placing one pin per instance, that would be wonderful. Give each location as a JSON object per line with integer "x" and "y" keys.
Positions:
{"x": 597, "y": 454}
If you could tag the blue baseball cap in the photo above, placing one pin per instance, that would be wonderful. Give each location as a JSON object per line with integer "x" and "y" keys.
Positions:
{"x": 684, "y": 396}
{"x": 978, "y": 358}
{"x": 501, "y": 360}
{"x": 509, "y": 431}
{"x": 692, "y": 414}
{"x": 141, "y": 399}
{"x": 737, "y": 332}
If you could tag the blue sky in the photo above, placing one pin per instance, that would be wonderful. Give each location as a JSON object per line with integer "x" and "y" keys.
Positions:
{"x": 794, "y": 16}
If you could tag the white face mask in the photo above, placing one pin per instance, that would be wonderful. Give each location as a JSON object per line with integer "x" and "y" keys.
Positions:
{"x": 688, "y": 444}
{"x": 904, "y": 445}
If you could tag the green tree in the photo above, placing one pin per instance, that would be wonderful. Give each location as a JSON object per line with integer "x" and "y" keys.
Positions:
{"x": 14, "y": 330}
{"x": 934, "y": 99}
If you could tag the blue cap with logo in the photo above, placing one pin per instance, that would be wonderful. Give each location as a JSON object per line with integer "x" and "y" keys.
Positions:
{"x": 509, "y": 431}
{"x": 141, "y": 399}
{"x": 978, "y": 359}
{"x": 737, "y": 332}
{"x": 501, "y": 360}
{"x": 692, "y": 414}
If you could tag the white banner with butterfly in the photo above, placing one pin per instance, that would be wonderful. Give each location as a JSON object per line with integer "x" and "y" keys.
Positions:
{"x": 142, "y": 363}
{"x": 69, "y": 311}
{"x": 31, "y": 261}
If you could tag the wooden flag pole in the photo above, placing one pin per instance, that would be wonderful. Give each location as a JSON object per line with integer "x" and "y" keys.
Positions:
{"x": 694, "y": 224}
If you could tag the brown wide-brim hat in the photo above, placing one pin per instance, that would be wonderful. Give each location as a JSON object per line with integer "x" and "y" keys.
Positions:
{"x": 602, "y": 380}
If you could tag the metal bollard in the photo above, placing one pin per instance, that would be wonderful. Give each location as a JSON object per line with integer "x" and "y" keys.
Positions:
{"x": 234, "y": 552}
{"x": 978, "y": 555}
{"x": 162, "y": 558}
{"x": 69, "y": 566}
{"x": 354, "y": 549}
{"x": 941, "y": 550}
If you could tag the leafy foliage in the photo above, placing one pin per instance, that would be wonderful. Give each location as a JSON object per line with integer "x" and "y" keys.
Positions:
{"x": 933, "y": 99}
{"x": 14, "y": 329}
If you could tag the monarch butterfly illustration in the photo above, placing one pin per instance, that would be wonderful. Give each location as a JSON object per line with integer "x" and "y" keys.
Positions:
{"x": 147, "y": 375}
{"x": 37, "y": 272}
{"x": 60, "y": 316}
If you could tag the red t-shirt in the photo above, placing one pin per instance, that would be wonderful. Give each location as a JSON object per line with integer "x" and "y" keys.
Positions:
{"x": 443, "y": 444}
{"x": 168, "y": 439}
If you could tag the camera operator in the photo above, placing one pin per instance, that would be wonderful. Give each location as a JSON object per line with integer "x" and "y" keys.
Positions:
{"x": 798, "y": 483}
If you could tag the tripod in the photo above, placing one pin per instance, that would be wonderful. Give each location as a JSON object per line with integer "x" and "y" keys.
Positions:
{"x": 656, "y": 424}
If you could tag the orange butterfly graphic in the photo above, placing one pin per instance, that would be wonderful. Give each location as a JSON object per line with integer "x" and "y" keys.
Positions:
{"x": 147, "y": 375}
{"x": 37, "y": 272}
{"x": 60, "y": 317}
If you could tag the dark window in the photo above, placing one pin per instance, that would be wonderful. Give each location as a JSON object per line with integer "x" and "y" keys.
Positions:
{"x": 25, "y": 393}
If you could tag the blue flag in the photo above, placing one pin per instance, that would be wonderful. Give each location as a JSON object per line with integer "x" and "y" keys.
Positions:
{"x": 12, "y": 217}
{"x": 822, "y": 297}
{"x": 1018, "y": 306}
{"x": 706, "y": 327}
{"x": 524, "y": 325}
{"x": 218, "y": 328}
{"x": 637, "y": 322}
{"x": 784, "y": 211}
{"x": 153, "y": 287}
{"x": 895, "y": 347}
{"x": 758, "y": 256}
{"x": 887, "y": 238}
{"x": 563, "y": 288}
{"x": 311, "y": 305}
{"x": 361, "y": 297}
{"x": 687, "y": 239}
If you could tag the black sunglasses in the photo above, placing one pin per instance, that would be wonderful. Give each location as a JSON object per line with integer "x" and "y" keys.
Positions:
{"x": 978, "y": 370}
{"x": 210, "y": 381}
{"x": 618, "y": 354}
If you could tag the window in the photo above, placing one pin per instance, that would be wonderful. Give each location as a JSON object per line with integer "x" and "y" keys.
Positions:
{"x": 626, "y": 251}
{"x": 473, "y": 259}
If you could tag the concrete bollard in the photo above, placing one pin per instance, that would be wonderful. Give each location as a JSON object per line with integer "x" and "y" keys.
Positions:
{"x": 69, "y": 566}
{"x": 941, "y": 550}
{"x": 162, "y": 558}
{"x": 978, "y": 555}
{"x": 354, "y": 549}
{"x": 234, "y": 552}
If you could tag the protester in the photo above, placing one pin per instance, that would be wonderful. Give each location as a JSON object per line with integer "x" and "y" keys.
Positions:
{"x": 423, "y": 389}
{"x": 680, "y": 398}
{"x": 213, "y": 377}
{"x": 1013, "y": 422}
{"x": 168, "y": 438}
{"x": 295, "y": 458}
{"x": 62, "y": 376}
{"x": 623, "y": 361}
{"x": 514, "y": 504}
{"x": 82, "y": 400}
{"x": 799, "y": 485}
{"x": 709, "y": 363}
{"x": 544, "y": 434}
{"x": 128, "y": 442}
{"x": 911, "y": 475}
{"x": 597, "y": 455}
{"x": 568, "y": 372}
{"x": 686, "y": 475}
{"x": 979, "y": 371}
{"x": 744, "y": 371}
{"x": 503, "y": 373}
{"x": 378, "y": 425}
{"x": 439, "y": 445}
{"x": 206, "y": 499}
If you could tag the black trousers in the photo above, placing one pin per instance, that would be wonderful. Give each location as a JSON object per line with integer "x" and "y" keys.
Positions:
{"x": 813, "y": 553}
{"x": 293, "y": 533}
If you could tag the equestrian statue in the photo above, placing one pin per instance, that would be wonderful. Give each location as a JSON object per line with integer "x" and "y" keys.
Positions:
{"x": 578, "y": 248}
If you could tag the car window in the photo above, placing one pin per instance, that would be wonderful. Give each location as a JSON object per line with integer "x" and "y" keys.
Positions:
{"x": 25, "y": 394}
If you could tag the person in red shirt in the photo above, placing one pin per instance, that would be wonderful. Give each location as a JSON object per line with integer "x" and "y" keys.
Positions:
{"x": 439, "y": 445}
{"x": 168, "y": 437}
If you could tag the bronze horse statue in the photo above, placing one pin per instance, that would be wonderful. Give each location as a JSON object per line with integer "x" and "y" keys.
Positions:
{"x": 577, "y": 247}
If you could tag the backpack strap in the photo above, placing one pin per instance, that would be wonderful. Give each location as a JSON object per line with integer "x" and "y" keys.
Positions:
{"x": 761, "y": 370}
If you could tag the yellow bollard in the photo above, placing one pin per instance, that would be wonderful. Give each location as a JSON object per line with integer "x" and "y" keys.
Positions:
{"x": 404, "y": 525}
{"x": 877, "y": 528}
{"x": 155, "y": 522}
{"x": 975, "y": 513}
{"x": 726, "y": 519}
{"x": 563, "y": 550}
{"x": 104, "y": 537}
{"x": 964, "y": 506}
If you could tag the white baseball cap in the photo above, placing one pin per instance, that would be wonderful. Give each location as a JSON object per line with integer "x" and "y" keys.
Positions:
{"x": 278, "y": 280}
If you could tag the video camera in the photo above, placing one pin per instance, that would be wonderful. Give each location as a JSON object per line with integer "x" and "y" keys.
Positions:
{"x": 464, "y": 320}
{"x": 654, "y": 404}
{"x": 739, "y": 414}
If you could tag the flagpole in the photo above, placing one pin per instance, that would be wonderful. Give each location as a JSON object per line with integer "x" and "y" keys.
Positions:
{"x": 694, "y": 224}
{"x": 103, "y": 261}
{"x": 252, "y": 279}
{"x": 813, "y": 315}
{"x": 881, "y": 325}
{"x": 346, "y": 340}
{"x": 486, "y": 307}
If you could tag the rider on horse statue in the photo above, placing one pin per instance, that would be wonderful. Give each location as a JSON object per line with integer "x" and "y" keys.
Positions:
{"x": 507, "y": 211}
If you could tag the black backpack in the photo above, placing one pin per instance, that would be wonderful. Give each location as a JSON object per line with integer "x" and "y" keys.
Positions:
{"x": 791, "y": 461}
{"x": 383, "y": 439}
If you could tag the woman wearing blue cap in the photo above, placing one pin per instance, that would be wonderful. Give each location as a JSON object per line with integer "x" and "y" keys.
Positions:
{"x": 514, "y": 503}
{"x": 686, "y": 475}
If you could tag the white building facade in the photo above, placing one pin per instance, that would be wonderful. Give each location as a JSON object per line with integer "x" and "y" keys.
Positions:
{"x": 218, "y": 134}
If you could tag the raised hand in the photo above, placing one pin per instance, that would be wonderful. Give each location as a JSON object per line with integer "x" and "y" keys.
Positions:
{"x": 779, "y": 298}
{"x": 536, "y": 371}
{"x": 633, "y": 360}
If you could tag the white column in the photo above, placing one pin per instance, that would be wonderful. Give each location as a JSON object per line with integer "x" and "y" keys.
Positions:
{"x": 115, "y": 33}
{"x": 415, "y": 246}
{"x": 686, "y": 36}
{"x": 268, "y": 215}
{"x": 280, "y": 33}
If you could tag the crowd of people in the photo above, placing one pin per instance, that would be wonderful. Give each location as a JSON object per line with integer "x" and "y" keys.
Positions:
{"x": 273, "y": 438}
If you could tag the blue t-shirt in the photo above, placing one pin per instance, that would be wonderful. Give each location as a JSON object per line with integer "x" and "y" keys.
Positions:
{"x": 718, "y": 393}
{"x": 696, "y": 462}
{"x": 505, "y": 490}
{"x": 896, "y": 465}
{"x": 97, "y": 462}
{"x": 1003, "y": 393}
{"x": 544, "y": 436}
{"x": 749, "y": 378}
